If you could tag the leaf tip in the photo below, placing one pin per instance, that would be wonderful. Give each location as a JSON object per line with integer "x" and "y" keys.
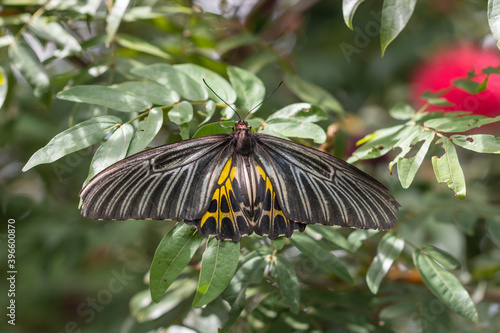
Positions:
{"x": 382, "y": 51}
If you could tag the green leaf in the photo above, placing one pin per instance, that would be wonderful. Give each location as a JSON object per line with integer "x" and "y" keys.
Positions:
{"x": 491, "y": 70}
{"x": 300, "y": 111}
{"x": 174, "y": 79}
{"x": 389, "y": 248}
{"x": 402, "y": 111}
{"x": 227, "y": 113}
{"x": 366, "y": 138}
{"x": 15, "y": 19}
{"x": 184, "y": 131}
{"x": 138, "y": 44}
{"x": 248, "y": 87}
{"x": 422, "y": 117}
{"x": 90, "y": 7}
{"x": 395, "y": 16}
{"x": 254, "y": 123}
{"x": 356, "y": 238}
{"x": 152, "y": 92}
{"x": 330, "y": 234}
{"x": 445, "y": 286}
{"x": 181, "y": 113}
{"x": 207, "y": 111}
{"x": 323, "y": 257}
{"x": 172, "y": 255}
{"x": 482, "y": 143}
{"x": 398, "y": 310}
{"x": 494, "y": 18}
{"x": 73, "y": 139}
{"x": 146, "y": 131}
{"x": 105, "y": 96}
{"x": 459, "y": 124}
{"x": 408, "y": 167}
{"x": 250, "y": 272}
{"x": 114, "y": 18}
{"x": 311, "y": 93}
{"x": 442, "y": 257}
{"x": 279, "y": 243}
{"x": 4, "y": 86}
{"x": 53, "y": 31}
{"x": 448, "y": 170}
{"x": 285, "y": 276}
{"x": 493, "y": 227}
{"x": 24, "y": 59}
{"x": 468, "y": 85}
{"x": 439, "y": 101}
{"x": 148, "y": 12}
{"x": 348, "y": 9}
{"x": 411, "y": 135}
{"x": 217, "y": 269}
{"x": 214, "y": 128}
{"x": 7, "y": 39}
{"x": 295, "y": 128}
{"x": 143, "y": 309}
{"x": 113, "y": 150}
{"x": 483, "y": 85}
{"x": 378, "y": 143}
{"x": 214, "y": 80}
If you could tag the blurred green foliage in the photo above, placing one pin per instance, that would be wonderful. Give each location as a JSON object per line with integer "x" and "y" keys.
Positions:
{"x": 75, "y": 274}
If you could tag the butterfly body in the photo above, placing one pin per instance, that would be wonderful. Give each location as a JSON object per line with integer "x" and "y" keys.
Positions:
{"x": 231, "y": 185}
{"x": 242, "y": 138}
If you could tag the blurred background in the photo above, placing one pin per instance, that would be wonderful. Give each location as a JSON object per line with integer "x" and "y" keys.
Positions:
{"x": 79, "y": 275}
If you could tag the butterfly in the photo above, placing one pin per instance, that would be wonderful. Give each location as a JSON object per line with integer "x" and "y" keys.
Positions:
{"x": 233, "y": 184}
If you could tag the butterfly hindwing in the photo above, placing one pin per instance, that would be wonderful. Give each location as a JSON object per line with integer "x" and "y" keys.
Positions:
{"x": 225, "y": 217}
{"x": 272, "y": 222}
{"x": 173, "y": 182}
{"x": 315, "y": 187}
{"x": 244, "y": 202}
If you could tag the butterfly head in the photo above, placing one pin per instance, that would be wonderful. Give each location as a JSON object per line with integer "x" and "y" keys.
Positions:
{"x": 241, "y": 125}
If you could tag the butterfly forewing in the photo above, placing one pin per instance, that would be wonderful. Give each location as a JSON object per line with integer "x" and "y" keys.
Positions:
{"x": 314, "y": 187}
{"x": 174, "y": 182}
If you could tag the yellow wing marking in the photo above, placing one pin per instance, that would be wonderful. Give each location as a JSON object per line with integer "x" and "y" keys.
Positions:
{"x": 215, "y": 214}
{"x": 225, "y": 187}
{"x": 225, "y": 171}
{"x": 261, "y": 172}
{"x": 274, "y": 212}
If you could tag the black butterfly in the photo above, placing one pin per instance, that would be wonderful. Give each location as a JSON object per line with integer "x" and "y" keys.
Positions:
{"x": 231, "y": 185}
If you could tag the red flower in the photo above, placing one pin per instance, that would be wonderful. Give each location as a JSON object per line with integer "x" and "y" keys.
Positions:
{"x": 449, "y": 64}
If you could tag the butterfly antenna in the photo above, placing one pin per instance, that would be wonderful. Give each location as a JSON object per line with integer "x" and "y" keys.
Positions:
{"x": 221, "y": 100}
{"x": 265, "y": 99}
